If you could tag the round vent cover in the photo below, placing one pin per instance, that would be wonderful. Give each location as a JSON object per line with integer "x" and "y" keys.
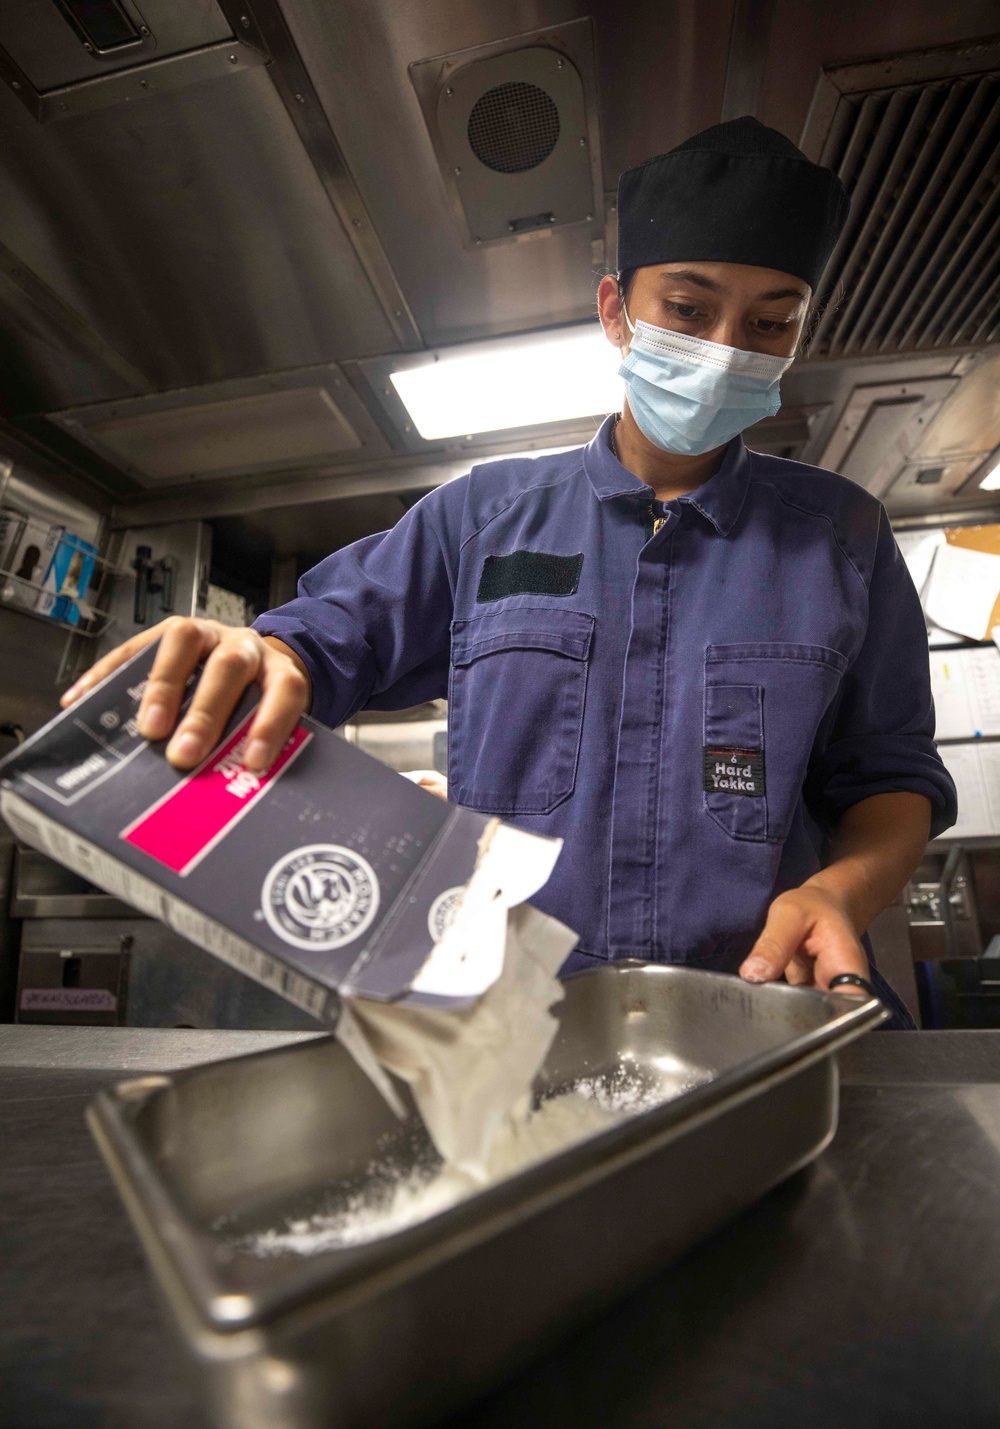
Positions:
{"x": 513, "y": 127}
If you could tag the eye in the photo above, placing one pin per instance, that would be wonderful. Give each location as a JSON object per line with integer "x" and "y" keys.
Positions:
{"x": 687, "y": 311}
{"x": 772, "y": 327}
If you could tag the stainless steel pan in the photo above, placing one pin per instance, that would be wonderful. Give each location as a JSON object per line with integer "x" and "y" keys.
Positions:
{"x": 411, "y": 1326}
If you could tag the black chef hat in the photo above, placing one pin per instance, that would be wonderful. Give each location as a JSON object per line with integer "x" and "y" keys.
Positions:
{"x": 736, "y": 193}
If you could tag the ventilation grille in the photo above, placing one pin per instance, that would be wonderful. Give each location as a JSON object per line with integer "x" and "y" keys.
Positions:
{"x": 918, "y": 265}
{"x": 513, "y": 127}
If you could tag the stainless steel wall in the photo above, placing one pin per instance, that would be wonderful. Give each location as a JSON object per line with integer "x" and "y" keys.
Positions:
{"x": 30, "y": 654}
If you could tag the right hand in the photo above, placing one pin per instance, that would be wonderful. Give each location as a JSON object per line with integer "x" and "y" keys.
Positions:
{"x": 234, "y": 657}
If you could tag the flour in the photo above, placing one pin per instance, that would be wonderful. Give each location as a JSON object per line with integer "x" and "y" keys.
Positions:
{"x": 391, "y": 1202}
{"x": 627, "y": 1094}
{"x": 366, "y": 1216}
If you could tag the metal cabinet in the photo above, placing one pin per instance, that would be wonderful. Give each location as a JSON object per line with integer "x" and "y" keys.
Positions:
{"x": 86, "y": 958}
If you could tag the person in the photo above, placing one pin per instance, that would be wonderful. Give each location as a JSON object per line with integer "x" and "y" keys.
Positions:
{"x": 704, "y": 668}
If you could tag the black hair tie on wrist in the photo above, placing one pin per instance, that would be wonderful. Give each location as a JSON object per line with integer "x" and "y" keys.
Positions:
{"x": 855, "y": 980}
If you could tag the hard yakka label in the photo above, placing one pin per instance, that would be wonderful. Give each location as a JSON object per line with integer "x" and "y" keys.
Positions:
{"x": 734, "y": 771}
{"x": 189, "y": 821}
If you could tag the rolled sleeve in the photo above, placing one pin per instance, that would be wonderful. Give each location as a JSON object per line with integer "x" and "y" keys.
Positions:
{"x": 880, "y": 734}
{"x": 372, "y": 622}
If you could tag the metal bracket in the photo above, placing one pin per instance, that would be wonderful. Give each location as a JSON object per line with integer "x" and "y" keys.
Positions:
{"x": 264, "y": 21}
{"x": 943, "y": 903}
{"x": 141, "y": 81}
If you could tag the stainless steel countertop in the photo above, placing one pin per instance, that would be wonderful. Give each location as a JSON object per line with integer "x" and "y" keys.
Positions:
{"x": 863, "y": 1292}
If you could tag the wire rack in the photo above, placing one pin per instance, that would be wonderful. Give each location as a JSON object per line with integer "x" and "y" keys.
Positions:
{"x": 26, "y": 544}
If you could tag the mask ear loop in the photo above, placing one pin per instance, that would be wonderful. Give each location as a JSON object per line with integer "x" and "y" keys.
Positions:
{"x": 631, "y": 329}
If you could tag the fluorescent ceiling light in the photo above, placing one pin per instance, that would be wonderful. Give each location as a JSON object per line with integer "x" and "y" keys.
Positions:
{"x": 513, "y": 382}
{"x": 991, "y": 481}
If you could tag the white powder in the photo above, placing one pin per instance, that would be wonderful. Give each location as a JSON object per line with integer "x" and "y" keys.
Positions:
{"x": 364, "y": 1217}
{"x": 392, "y": 1201}
{"x": 627, "y": 1094}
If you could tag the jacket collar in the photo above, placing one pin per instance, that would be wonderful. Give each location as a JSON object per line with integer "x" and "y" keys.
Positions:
{"x": 720, "y": 499}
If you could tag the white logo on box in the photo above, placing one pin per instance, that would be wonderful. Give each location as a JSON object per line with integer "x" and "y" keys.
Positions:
{"x": 320, "y": 897}
{"x": 442, "y": 912}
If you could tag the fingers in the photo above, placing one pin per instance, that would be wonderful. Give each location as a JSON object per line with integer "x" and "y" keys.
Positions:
{"x": 840, "y": 954}
{"x": 184, "y": 642}
{"x": 809, "y": 941}
{"x": 233, "y": 658}
{"x": 784, "y": 933}
{"x": 109, "y": 663}
{"x": 430, "y": 780}
{"x": 285, "y": 698}
{"x": 234, "y": 663}
{"x": 799, "y": 971}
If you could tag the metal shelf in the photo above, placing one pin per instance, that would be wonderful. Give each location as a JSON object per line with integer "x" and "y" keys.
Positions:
{"x": 22, "y": 593}
{"x": 87, "y": 629}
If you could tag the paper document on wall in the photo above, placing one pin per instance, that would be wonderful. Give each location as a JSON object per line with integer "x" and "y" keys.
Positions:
{"x": 918, "y": 549}
{"x": 966, "y": 689}
{"x": 962, "y": 590}
{"x": 975, "y": 769}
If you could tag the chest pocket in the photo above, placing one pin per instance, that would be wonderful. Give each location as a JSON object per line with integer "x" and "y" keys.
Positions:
{"x": 515, "y": 708}
{"x": 763, "y": 706}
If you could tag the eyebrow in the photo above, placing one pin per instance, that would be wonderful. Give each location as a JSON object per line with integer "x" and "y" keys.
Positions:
{"x": 776, "y": 293}
{"x": 688, "y": 275}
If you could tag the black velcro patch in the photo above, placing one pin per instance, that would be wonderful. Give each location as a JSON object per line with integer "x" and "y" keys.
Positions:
{"x": 529, "y": 573}
{"x": 735, "y": 771}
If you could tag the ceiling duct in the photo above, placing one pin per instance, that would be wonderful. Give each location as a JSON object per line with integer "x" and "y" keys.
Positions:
{"x": 918, "y": 265}
{"x": 514, "y": 129}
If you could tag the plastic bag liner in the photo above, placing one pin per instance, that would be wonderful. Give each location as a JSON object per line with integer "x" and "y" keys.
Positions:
{"x": 469, "y": 1068}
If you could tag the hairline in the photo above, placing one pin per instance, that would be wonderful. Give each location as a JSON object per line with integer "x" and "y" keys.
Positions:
{"x": 701, "y": 280}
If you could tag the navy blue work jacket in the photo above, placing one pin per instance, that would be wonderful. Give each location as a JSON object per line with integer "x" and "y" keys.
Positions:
{"x": 690, "y": 708}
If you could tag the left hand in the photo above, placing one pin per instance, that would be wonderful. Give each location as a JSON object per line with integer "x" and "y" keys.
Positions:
{"x": 430, "y": 780}
{"x": 808, "y": 937}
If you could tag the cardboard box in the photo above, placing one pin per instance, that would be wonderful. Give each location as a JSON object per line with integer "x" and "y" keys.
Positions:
{"x": 328, "y": 875}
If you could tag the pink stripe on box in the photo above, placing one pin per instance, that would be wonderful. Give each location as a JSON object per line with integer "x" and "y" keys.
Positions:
{"x": 189, "y": 821}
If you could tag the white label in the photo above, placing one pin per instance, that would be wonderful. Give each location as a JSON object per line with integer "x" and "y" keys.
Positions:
{"x": 68, "y": 999}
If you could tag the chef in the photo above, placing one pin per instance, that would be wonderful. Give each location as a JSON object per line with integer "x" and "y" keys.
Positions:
{"x": 704, "y": 668}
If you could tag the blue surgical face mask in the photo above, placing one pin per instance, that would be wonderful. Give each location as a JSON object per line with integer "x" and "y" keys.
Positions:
{"x": 689, "y": 395}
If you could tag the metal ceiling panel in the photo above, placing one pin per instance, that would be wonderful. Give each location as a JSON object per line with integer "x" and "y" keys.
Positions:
{"x": 309, "y": 531}
{"x": 41, "y": 40}
{"x": 273, "y": 430}
{"x": 47, "y": 355}
{"x": 970, "y": 419}
{"x": 227, "y": 258}
{"x": 661, "y": 77}
{"x": 788, "y": 432}
{"x": 268, "y": 424}
{"x": 881, "y": 426}
{"x": 807, "y": 37}
{"x": 923, "y": 487}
